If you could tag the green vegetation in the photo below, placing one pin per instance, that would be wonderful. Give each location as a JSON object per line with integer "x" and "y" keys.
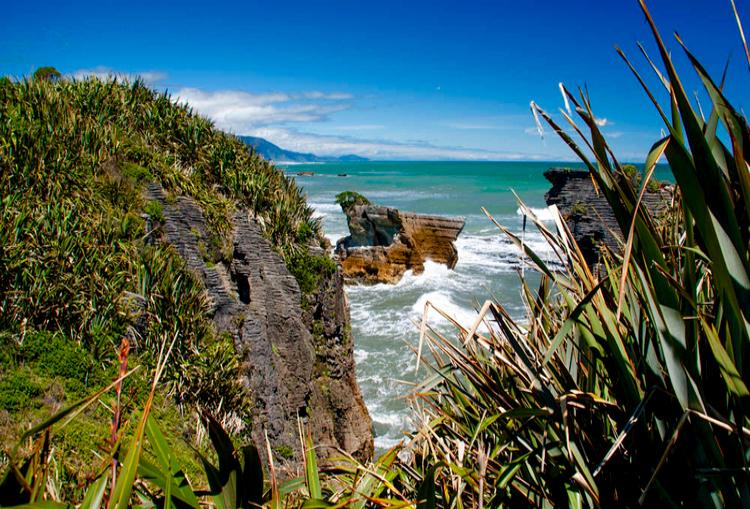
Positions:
{"x": 155, "y": 210}
{"x": 308, "y": 269}
{"x": 76, "y": 272}
{"x": 348, "y": 199}
{"x": 617, "y": 390}
{"x": 622, "y": 391}
{"x": 632, "y": 173}
{"x": 579, "y": 208}
{"x": 47, "y": 74}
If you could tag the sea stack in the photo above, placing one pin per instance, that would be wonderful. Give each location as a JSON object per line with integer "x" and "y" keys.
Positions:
{"x": 587, "y": 212}
{"x": 385, "y": 242}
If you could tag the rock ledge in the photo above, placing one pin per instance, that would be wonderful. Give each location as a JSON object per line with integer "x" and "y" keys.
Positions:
{"x": 384, "y": 243}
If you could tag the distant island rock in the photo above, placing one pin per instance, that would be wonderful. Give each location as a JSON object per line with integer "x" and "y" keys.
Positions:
{"x": 271, "y": 152}
{"x": 384, "y": 242}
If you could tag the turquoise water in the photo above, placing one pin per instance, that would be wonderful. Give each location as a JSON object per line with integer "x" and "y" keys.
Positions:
{"x": 385, "y": 318}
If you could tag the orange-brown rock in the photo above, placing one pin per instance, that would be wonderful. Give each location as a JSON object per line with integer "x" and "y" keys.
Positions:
{"x": 384, "y": 243}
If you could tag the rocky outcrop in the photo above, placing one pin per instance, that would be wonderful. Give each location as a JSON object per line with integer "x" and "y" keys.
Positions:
{"x": 385, "y": 242}
{"x": 296, "y": 352}
{"x": 587, "y": 212}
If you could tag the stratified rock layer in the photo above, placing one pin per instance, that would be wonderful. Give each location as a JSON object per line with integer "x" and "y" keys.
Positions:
{"x": 587, "y": 212}
{"x": 384, "y": 243}
{"x": 295, "y": 362}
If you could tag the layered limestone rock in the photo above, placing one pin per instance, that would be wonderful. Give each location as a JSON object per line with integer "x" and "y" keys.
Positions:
{"x": 587, "y": 212}
{"x": 385, "y": 242}
{"x": 296, "y": 352}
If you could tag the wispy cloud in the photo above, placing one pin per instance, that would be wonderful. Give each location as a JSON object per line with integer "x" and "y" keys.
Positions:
{"x": 240, "y": 112}
{"x": 380, "y": 149}
{"x": 358, "y": 127}
{"x": 333, "y": 96}
{"x": 103, "y": 73}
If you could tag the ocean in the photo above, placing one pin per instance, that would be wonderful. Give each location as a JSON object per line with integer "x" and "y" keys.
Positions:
{"x": 385, "y": 318}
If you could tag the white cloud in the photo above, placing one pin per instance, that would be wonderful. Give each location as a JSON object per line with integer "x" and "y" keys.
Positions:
{"x": 241, "y": 112}
{"x": 104, "y": 73}
{"x": 358, "y": 127}
{"x": 331, "y": 145}
{"x": 335, "y": 96}
{"x": 601, "y": 122}
{"x": 269, "y": 115}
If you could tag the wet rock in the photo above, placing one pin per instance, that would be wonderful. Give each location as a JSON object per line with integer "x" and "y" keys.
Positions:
{"x": 385, "y": 242}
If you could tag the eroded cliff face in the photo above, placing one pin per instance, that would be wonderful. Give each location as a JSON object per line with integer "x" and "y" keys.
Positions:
{"x": 587, "y": 212}
{"x": 296, "y": 351}
{"x": 384, "y": 243}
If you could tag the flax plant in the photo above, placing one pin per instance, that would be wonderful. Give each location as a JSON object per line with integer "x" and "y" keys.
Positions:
{"x": 624, "y": 386}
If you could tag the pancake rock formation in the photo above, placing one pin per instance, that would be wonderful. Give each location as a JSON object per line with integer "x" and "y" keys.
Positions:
{"x": 384, "y": 242}
{"x": 587, "y": 212}
{"x": 296, "y": 351}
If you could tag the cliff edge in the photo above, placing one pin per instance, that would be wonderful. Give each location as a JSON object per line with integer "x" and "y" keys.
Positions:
{"x": 296, "y": 351}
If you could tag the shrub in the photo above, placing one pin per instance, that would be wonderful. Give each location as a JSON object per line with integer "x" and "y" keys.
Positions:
{"x": 579, "y": 208}
{"x": 136, "y": 173}
{"x": 308, "y": 269}
{"x": 348, "y": 199}
{"x": 47, "y": 74}
{"x": 56, "y": 355}
{"x": 155, "y": 210}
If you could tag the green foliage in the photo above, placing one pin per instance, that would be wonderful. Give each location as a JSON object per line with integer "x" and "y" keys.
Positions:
{"x": 284, "y": 451}
{"x": 620, "y": 389}
{"x": 348, "y": 199}
{"x": 136, "y": 173}
{"x": 210, "y": 379}
{"x": 72, "y": 242}
{"x": 635, "y": 176}
{"x": 18, "y": 390}
{"x": 308, "y": 269}
{"x": 579, "y": 208}
{"x": 58, "y": 356}
{"x": 155, "y": 210}
{"x": 146, "y": 469}
{"x": 47, "y": 73}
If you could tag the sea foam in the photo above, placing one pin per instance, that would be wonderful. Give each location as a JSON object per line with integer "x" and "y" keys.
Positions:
{"x": 541, "y": 213}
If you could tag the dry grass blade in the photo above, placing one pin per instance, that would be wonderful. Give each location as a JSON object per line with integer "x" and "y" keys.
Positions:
{"x": 742, "y": 32}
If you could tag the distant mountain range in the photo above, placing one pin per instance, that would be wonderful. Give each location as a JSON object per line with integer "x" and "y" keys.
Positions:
{"x": 274, "y": 153}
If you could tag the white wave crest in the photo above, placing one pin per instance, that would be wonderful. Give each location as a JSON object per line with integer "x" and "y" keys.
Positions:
{"x": 542, "y": 213}
{"x": 325, "y": 209}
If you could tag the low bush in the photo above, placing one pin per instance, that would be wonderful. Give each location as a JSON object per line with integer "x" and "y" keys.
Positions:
{"x": 348, "y": 199}
{"x": 308, "y": 269}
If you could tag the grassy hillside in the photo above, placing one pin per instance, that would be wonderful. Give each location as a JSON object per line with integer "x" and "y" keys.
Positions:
{"x": 74, "y": 261}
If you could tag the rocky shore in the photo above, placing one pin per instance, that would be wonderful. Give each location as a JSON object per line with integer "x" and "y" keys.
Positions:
{"x": 384, "y": 243}
{"x": 587, "y": 212}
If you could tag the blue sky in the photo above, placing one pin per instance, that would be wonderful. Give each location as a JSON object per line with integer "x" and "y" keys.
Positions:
{"x": 388, "y": 80}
